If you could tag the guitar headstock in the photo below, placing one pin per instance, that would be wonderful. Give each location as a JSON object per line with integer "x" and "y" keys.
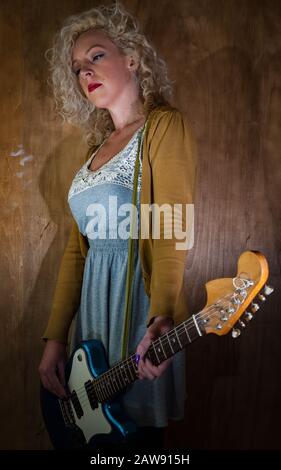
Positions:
{"x": 233, "y": 301}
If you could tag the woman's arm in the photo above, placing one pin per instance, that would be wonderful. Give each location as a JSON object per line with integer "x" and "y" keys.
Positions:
{"x": 68, "y": 289}
{"x": 173, "y": 163}
{"x": 65, "y": 304}
{"x": 172, "y": 155}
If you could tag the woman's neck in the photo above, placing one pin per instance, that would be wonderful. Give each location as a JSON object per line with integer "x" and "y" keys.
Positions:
{"x": 128, "y": 117}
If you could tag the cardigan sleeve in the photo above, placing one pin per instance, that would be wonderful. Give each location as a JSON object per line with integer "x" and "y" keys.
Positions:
{"x": 68, "y": 288}
{"x": 173, "y": 164}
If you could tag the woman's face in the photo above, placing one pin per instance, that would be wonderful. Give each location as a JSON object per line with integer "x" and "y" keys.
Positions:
{"x": 96, "y": 60}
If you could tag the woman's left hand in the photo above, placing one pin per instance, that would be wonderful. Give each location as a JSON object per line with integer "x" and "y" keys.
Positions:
{"x": 146, "y": 370}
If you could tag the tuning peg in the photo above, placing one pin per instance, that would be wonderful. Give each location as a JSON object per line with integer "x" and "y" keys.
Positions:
{"x": 254, "y": 307}
{"x": 268, "y": 290}
{"x": 224, "y": 317}
{"x": 230, "y": 310}
{"x": 261, "y": 297}
{"x": 248, "y": 316}
{"x": 241, "y": 323}
{"x": 235, "y": 333}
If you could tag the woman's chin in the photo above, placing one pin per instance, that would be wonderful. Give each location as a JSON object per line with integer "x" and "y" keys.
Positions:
{"x": 98, "y": 103}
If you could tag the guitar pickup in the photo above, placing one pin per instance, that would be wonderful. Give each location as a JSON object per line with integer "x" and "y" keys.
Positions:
{"x": 89, "y": 387}
{"x": 76, "y": 405}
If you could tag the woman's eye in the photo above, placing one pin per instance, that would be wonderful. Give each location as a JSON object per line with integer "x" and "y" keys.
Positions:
{"x": 94, "y": 59}
{"x": 97, "y": 57}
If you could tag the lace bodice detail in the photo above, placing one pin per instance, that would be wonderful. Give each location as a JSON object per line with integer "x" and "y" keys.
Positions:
{"x": 118, "y": 170}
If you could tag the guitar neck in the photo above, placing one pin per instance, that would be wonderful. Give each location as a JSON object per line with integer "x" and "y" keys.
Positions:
{"x": 124, "y": 373}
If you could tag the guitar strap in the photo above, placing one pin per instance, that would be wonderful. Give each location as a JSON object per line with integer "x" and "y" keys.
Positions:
{"x": 131, "y": 251}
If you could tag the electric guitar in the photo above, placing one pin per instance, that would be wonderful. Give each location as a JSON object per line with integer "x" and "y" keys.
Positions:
{"x": 93, "y": 414}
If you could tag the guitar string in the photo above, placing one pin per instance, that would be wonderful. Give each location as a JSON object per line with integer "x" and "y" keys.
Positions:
{"x": 115, "y": 370}
{"x": 180, "y": 328}
{"x": 109, "y": 385}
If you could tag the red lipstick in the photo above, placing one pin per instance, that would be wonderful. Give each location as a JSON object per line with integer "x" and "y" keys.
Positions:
{"x": 93, "y": 86}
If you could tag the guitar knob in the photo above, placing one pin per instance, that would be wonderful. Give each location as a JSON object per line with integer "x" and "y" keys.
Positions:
{"x": 254, "y": 307}
{"x": 261, "y": 297}
{"x": 268, "y": 290}
{"x": 241, "y": 323}
{"x": 248, "y": 316}
{"x": 235, "y": 333}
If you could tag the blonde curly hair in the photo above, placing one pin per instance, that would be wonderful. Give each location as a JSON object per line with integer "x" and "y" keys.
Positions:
{"x": 122, "y": 28}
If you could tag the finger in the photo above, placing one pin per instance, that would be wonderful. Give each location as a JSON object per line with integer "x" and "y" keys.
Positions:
{"x": 58, "y": 388}
{"x": 144, "y": 345}
{"x": 51, "y": 382}
{"x": 46, "y": 384}
{"x": 145, "y": 372}
{"x": 141, "y": 370}
{"x": 150, "y": 370}
{"x": 162, "y": 367}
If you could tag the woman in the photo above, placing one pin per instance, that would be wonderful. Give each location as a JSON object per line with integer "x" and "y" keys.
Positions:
{"x": 108, "y": 78}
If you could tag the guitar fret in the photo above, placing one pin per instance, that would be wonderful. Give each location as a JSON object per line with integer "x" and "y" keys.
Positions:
{"x": 170, "y": 344}
{"x": 119, "y": 383}
{"x": 155, "y": 352}
{"x": 175, "y": 342}
{"x": 125, "y": 378}
{"x": 120, "y": 377}
{"x": 163, "y": 349}
{"x": 132, "y": 376}
{"x": 95, "y": 383}
{"x": 178, "y": 337}
{"x": 107, "y": 388}
{"x": 151, "y": 355}
{"x": 103, "y": 393}
{"x": 101, "y": 390}
{"x": 117, "y": 380}
{"x": 194, "y": 333}
{"x": 135, "y": 367}
{"x": 196, "y": 324}
{"x": 126, "y": 372}
{"x": 186, "y": 331}
{"x": 114, "y": 383}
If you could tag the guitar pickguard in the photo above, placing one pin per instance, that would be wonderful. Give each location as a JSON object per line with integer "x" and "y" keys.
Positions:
{"x": 93, "y": 421}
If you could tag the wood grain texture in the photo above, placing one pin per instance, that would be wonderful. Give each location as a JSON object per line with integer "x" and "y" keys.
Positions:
{"x": 225, "y": 57}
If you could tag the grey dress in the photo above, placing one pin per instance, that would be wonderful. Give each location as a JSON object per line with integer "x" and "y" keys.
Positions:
{"x": 99, "y": 201}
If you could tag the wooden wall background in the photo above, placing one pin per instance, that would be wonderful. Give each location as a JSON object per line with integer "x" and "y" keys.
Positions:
{"x": 225, "y": 56}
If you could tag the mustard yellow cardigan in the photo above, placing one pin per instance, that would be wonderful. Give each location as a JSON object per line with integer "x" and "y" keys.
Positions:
{"x": 168, "y": 176}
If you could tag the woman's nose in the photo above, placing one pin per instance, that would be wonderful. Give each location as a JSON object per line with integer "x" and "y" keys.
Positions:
{"x": 86, "y": 72}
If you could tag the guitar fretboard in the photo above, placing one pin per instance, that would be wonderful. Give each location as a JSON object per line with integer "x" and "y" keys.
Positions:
{"x": 124, "y": 373}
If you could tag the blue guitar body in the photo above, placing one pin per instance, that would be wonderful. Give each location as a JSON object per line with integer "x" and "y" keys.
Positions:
{"x": 82, "y": 421}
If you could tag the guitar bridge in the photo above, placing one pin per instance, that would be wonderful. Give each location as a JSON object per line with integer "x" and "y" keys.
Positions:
{"x": 67, "y": 413}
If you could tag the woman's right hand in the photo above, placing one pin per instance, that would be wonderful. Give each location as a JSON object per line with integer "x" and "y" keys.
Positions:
{"x": 51, "y": 367}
